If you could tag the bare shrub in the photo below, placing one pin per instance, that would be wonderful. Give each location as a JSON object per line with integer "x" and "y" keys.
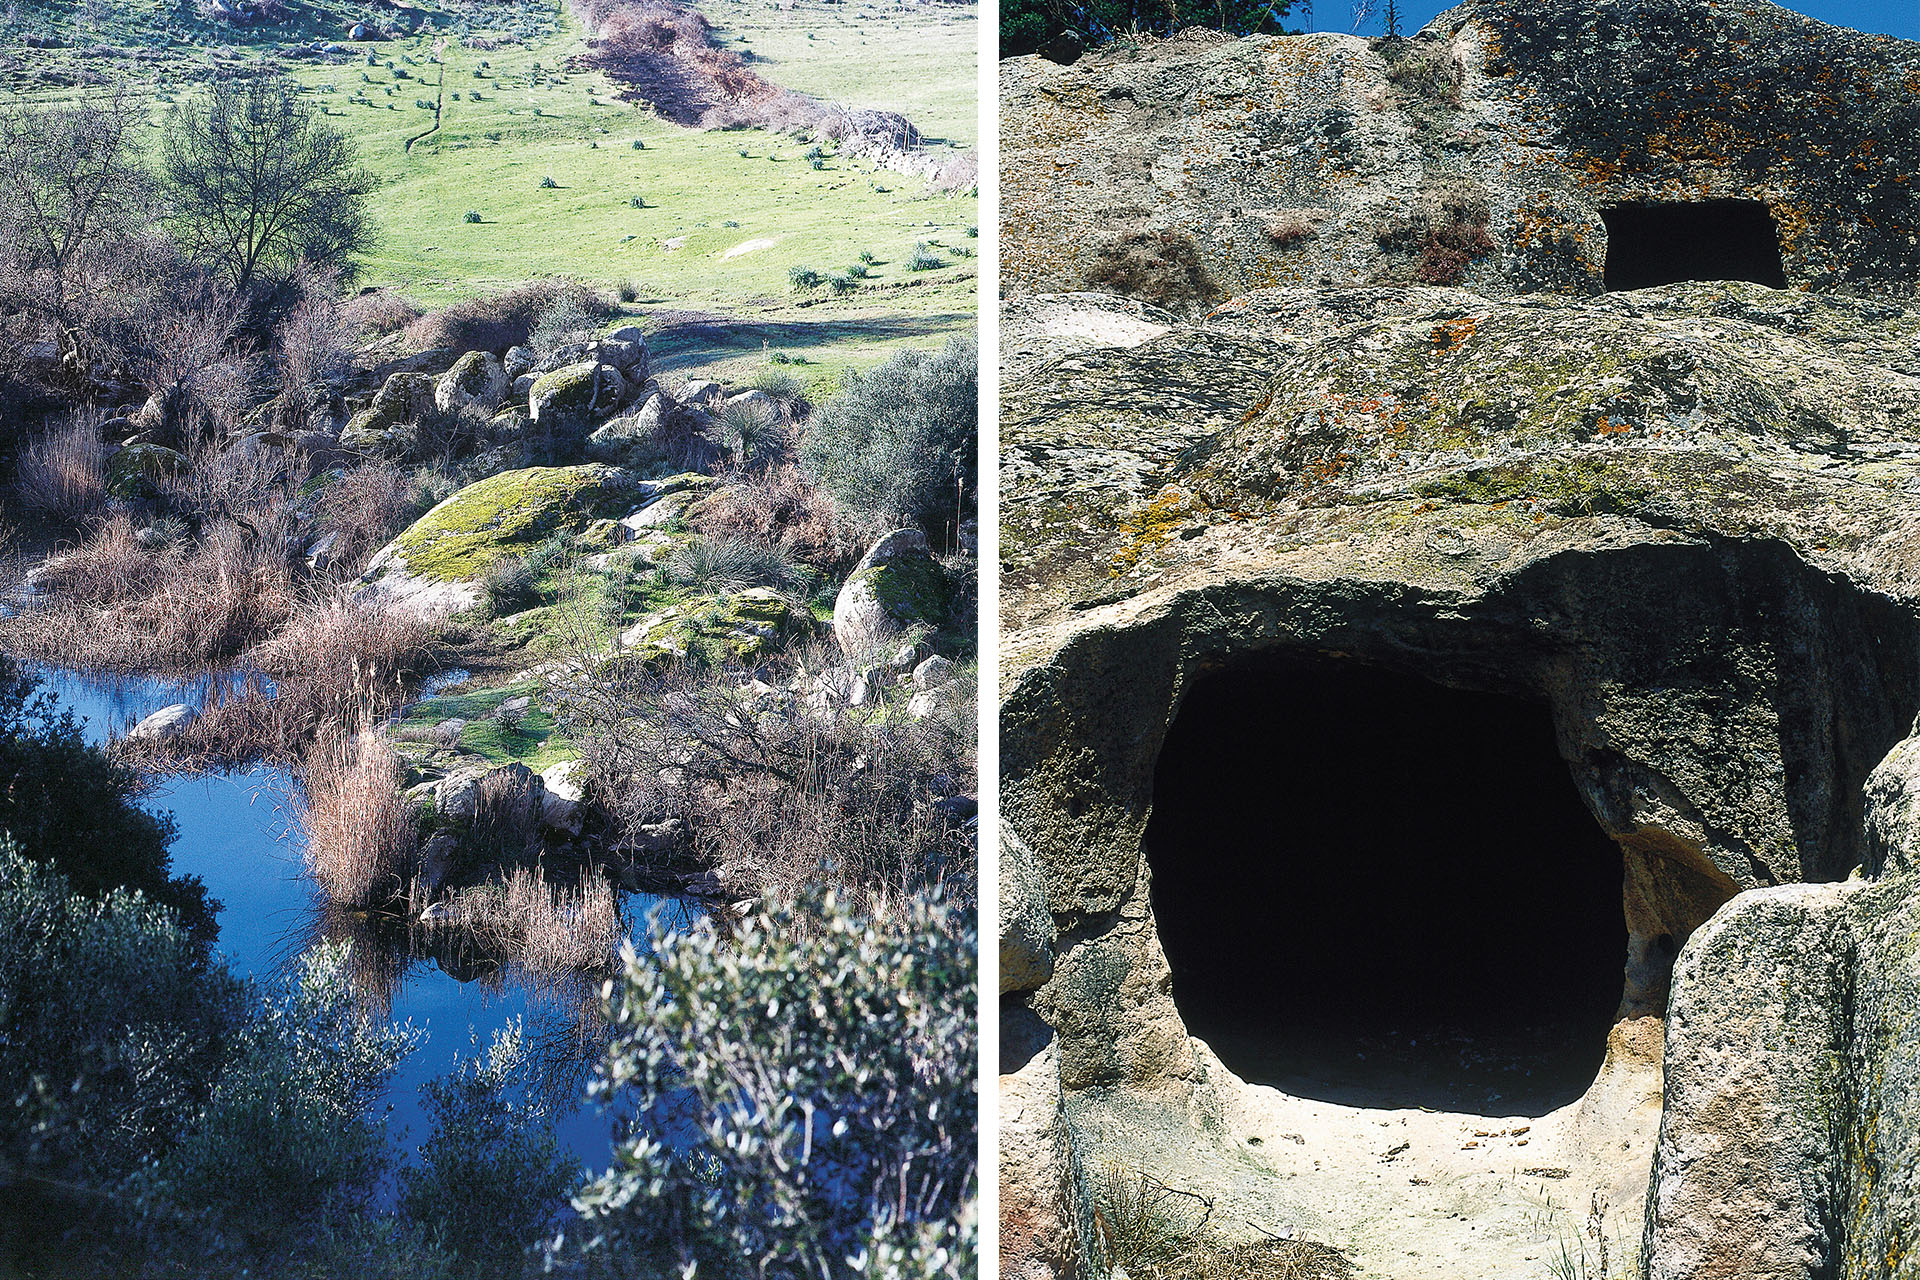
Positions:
{"x": 364, "y": 507}
{"x": 782, "y": 507}
{"x": 361, "y": 841}
{"x": 199, "y": 366}
{"x": 63, "y": 471}
{"x": 780, "y": 796}
{"x": 500, "y": 320}
{"x": 1161, "y": 267}
{"x": 315, "y": 341}
{"x": 377, "y": 313}
{"x": 553, "y": 930}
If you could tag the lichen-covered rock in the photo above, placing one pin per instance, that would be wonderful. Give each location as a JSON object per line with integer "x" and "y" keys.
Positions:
{"x": 628, "y": 439}
{"x": 1027, "y": 932}
{"x": 571, "y": 399}
{"x": 1484, "y": 150}
{"x": 897, "y": 584}
{"x": 1791, "y": 1130}
{"x": 476, "y": 381}
{"x": 138, "y": 470}
{"x": 383, "y": 427}
{"x": 741, "y": 627}
{"x": 435, "y": 567}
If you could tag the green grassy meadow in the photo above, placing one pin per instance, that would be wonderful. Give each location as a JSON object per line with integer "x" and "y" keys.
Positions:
{"x": 723, "y": 216}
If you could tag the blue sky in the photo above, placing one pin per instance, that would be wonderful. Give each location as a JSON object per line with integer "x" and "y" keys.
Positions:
{"x": 1889, "y": 17}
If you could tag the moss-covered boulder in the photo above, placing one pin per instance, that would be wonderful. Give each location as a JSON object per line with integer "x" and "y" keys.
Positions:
{"x": 434, "y": 569}
{"x": 137, "y": 470}
{"x": 896, "y": 585}
{"x": 742, "y": 627}
{"x": 476, "y": 380}
{"x": 383, "y": 426}
{"x": 570, "y": 400}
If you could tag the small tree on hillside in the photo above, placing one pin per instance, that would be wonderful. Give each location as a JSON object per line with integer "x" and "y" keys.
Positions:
{"x": 259, "y": 182}
{"x": 73, "y": 198}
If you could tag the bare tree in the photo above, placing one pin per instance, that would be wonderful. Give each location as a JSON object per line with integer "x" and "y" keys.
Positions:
{"x": 73, "y": 199}
{"x": 259, "y": 182}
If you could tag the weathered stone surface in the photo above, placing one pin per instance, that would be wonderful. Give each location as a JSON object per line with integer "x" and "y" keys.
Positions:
{"x": 165, "y": 723}
{"x": 1046, "y": 1220}
{"x": 896, "y": 584}
{"x": 744, "y": 625}
{"x": 572, "y": 398}
{"x": 137, "y": 470}
{"x": 1339, "y": 160}
{"x": 475, "y": 381}
{"x": 1027, "y": 932}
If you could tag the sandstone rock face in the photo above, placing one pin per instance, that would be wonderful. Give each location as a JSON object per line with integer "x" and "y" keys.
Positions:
{"x": 1680, "y": 518}
{"x": 1027, "y": 932}
{"x": 1482, "y": 151}
{"x": 1046, "y": 1232}
{"x": 897, "y": 583}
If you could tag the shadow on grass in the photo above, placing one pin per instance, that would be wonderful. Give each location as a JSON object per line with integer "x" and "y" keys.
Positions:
{"x": 681, "y": 341}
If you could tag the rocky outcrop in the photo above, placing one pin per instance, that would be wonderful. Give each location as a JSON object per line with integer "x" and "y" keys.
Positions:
{"x": 435, "y": 568}
{"x": 1677, "y": 518}
{"x": 476, "y": 381}
{"x": 1490, "y": 149}
{"x": 897, "y": 584}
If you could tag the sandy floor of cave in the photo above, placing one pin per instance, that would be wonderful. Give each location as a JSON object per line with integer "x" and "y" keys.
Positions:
{"x": 1416, "y": 1194}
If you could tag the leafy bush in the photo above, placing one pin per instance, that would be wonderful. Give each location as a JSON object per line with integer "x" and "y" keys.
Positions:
{"x": 491, "y": 1178}
{"x": 111, "y": 1024}
{"x": 843, "y": 284}
{"x": 473, "y": 215}
{"x": 897, "y": 445}
{"x": 925, "y": 258}
{"x": 762, "y": 1049}
{"x": 803, "y": 277}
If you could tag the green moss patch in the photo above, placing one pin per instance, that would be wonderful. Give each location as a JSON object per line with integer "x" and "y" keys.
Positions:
{"x": 508, "y": 514}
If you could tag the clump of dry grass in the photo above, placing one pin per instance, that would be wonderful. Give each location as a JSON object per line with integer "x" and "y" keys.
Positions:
{"x": 63, "y": 471}
{"x": 378, "y": 313}
{"x": 361, "y": 841}
{"x": 500, "y": 320}
{"x": 506, "y": 818}
{"x": 783, "y": 507}
{"x": 553, "y": 930}
{"x": 1159, "y": 1232}
{"x": 1287, "y": 229}
{"x": 1161, "y": 267}
{"x": 120, "y": 604}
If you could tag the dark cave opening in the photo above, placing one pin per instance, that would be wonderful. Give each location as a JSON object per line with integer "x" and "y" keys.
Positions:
{"x": 1377, "y": 890}
{"x": 1655, "y": 244}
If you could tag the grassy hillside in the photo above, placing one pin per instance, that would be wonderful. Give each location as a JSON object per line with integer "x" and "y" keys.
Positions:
{"x": 543, "y": 151}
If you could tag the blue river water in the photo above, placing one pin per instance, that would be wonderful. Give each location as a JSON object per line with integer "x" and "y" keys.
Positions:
{"x": 236, "y": 832}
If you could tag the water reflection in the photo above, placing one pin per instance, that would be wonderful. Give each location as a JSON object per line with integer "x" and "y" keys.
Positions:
{"x": 237, "y": 834}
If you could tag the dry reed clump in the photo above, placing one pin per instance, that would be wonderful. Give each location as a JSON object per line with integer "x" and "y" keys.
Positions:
{"x": 121, "y": 603}
{"x": 552, "y": 930}
{"x": 506, "y": 818}
{"x": 361, "y": 840}
{"x": 500, "y": 320}
{"x": 335, "y": 662}
{"x": 63, "y": 471}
